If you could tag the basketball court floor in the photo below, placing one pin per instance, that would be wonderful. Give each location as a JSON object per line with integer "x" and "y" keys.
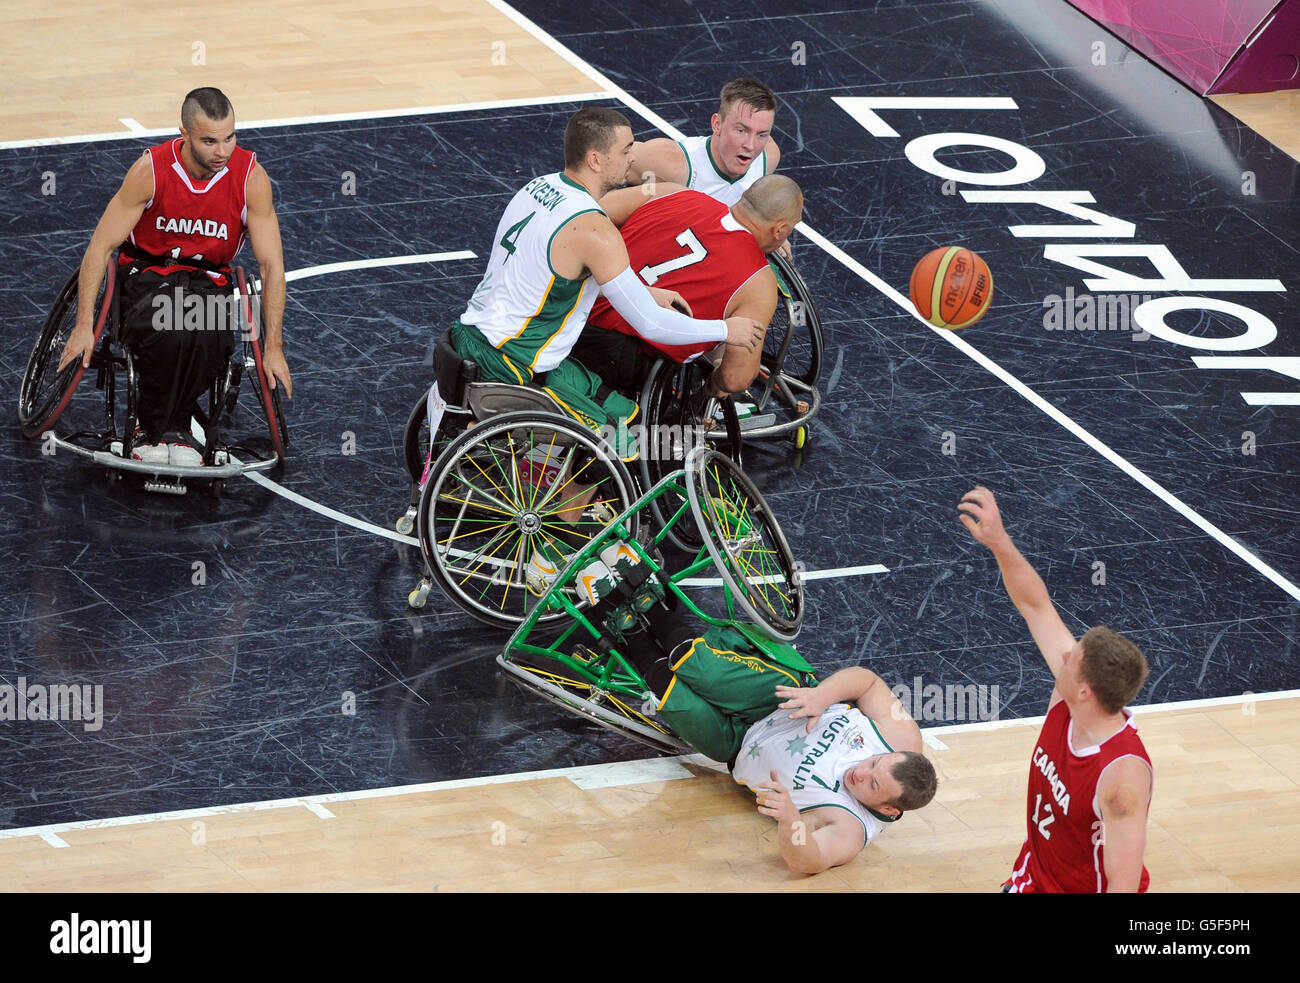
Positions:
{"x": 274, "y": 717}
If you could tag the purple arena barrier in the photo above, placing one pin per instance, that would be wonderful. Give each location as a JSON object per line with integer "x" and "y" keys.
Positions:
{"x": 1211, "y": 45}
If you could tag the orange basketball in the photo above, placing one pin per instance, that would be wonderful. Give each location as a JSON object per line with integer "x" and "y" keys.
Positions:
{"x": 951, "y": 287}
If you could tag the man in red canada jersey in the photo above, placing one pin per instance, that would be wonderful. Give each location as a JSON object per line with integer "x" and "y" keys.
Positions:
{"x": 185, "y": 207}
{"x": 1090, "y": 778}
{"x": 714, "y": 256}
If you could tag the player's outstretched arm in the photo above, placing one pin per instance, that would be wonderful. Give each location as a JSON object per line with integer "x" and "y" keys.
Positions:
{"x": 264, "y": 235}
{"x": 1124, "y": 794}
{"x": 812, "y": 841}
{"x": 658, "y": 160}
{"x": 1025, "y": 588}
{"x": 621, "y": 203}
{"x": 590, "y": 243}
{"x": 119, "y": 218}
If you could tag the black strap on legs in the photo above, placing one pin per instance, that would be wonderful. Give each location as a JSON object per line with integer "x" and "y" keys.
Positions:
{"x": 131, "y": 251}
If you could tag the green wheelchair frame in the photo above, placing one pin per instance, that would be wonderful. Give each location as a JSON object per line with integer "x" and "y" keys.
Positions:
{"x": 584, "y": 670}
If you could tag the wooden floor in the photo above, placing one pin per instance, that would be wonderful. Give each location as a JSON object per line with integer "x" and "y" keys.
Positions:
{"x": 1226, "y": 815}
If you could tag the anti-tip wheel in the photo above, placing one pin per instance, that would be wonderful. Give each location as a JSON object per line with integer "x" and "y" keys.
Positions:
{"x": 418, "y": 597}
{"x": 406, "y": 523}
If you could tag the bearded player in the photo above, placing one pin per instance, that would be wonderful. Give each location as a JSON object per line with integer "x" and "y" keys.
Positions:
{"x": 179, "y": 218}
{"x": 713, "y": 255}
{"x": 1090, "y": 778}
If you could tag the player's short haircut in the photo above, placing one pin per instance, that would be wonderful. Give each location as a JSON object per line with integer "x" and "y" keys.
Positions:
{"x": 917, "y": 776}
{"x": 208, "y": 102}
{"x": 591, "y": 129}
{"x": 746, "y": 92}
{"x": 1113, "y": 667}
{"x": 773, "y": 198}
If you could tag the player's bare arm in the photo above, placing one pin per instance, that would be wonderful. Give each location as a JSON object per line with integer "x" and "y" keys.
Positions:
{"x": 1026, "y": 589}
{"x": 621, "y": 203}
{"x": 119, "y": 218}
{"x": 1124, "y": 795}
{"x": 658, "y": 160}
{"x": 756, "y": 298}
{"x": 591, "y": 244}
{"x": 812, "y": 841}
{"x": 264, "y": 236}
{"x": 860, "y": 686}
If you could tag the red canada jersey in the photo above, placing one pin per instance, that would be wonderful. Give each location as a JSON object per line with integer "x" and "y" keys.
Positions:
{"x": 688, "y": 242}
{"x": 191, "y": 218}
{"x": 1065, "y": 850}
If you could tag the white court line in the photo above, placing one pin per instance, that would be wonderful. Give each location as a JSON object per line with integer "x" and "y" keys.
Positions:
{"x": 619, "y": 773}
{"x": 950, "y": 336}
{"x": 135, "y": 129}
{"x": 367, "y": 264}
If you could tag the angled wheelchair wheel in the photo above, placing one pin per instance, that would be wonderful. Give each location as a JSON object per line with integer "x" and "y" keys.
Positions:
{"x": 679, "y": 413}
{"x": 268, "y": 399}
{"x": 415, "y": 438}
{"x": 621, "y": 708}
{"x": 758, "y": 569}
{"x": 507, "y": 491}
{"x": 795, "y": 343}
{"x": 46, "y": 391}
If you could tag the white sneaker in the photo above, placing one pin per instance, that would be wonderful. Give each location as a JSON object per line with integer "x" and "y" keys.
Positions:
{"x": 182, "y": 451}
{"x": 148, "y": 453}
{"x": 544, "y": 568}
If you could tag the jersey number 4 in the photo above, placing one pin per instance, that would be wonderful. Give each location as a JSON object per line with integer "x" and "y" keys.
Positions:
{"x": 512, "y": 234}
{"x": 696, "y": 254}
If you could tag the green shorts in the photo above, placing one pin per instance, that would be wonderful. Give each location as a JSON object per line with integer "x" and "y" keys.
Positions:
{"x": 720, "y": 688}
{"x": 571, "y": 384}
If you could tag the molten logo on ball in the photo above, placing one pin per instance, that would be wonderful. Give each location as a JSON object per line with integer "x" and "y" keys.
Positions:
{"x": 951, "y": 287}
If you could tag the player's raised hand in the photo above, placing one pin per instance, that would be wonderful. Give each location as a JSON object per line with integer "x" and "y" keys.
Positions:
{"x": 980, "y": 515}
{"x": 671, "y": 298}
{"x": 804, "y": 702}
{"x": 774, "y": 800}
{"x": 744, "y": 332}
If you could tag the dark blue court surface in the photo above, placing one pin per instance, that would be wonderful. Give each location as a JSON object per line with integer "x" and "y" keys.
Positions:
{"x": 228, "y": 681}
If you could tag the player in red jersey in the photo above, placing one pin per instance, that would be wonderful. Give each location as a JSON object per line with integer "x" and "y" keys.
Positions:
{"x": 185, "y": 206}
{"x": 713, "y": 256}
{"x": 1090, "y": 778}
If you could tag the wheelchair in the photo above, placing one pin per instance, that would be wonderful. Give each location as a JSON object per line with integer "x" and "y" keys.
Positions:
{"x": 501, "y": 469}
{"x": 785, "y": 392}
{"x": 47, "y": 393}
{"x": 577, "y": 664}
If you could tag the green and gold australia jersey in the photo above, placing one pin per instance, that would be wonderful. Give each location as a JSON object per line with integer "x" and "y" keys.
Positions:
{"x": 522, "y": 306}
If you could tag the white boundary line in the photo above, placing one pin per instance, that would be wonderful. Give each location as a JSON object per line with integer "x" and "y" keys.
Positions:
{"x": 584, "y": 776}
{"x": 135, "y": 130}
{"x": 950, "y": 336}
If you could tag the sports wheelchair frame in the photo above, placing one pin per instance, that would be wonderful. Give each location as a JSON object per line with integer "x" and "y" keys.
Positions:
{"x": 582, "y": 667}
{"x": 47, "y": 392}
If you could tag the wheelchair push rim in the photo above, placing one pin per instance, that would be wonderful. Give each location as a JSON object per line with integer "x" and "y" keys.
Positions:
{"x": 40, "y": 408}
{"x": 758, "y": 568}
{"x": 268, "y": 398}
{"x": 484, "y": 511}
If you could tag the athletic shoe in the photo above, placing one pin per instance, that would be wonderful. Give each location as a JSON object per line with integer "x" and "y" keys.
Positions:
{"x": 622, "y": 560}
{"x": 595, "y": 582}
{"x": 182, "y": 450}
{"x": 145, "y": 452}
{"x": 544, "y": 568}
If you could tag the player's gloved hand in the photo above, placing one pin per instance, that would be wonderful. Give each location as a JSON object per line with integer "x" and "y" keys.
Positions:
{"x": 774, "y": 800}
{"x": 671, "y": 298}
{"x": 981, "y": 516}
{"x": 744, "y": 332}
{"x": 805, "y": 702}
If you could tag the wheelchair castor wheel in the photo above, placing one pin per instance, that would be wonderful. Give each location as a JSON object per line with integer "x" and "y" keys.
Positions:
{"x": 799, "y": 437}
{"x": 420, "y": 595}
{"x": 406, "y": 524}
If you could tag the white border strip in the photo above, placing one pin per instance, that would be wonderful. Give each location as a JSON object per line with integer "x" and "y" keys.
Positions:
{"x": 369, "y": 264}
{"x": 584, "y": 776}
{"x": 134, "y": 129}
{"x": 950, "y": 336}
